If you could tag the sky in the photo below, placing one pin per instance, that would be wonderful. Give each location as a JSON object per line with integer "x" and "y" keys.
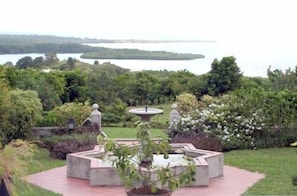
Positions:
{"x": 152, "y": 19}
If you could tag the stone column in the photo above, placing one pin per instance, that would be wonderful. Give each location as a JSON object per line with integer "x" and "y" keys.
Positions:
{"x": 95, "y": 118}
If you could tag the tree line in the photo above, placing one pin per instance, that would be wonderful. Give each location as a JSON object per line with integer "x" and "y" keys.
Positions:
{"x": 56, "y": 83}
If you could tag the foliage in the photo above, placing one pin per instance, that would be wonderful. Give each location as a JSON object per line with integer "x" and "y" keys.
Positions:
{"x": 15, "y": 158}
{"x": 224, "y": 117}
{"x": 246, "y": 118}
{"x": 106, "y": 53}
{"x": 24, "y": 62}
{"x": 186, "y": 103}
{"x": 137, "y": 162}
{"x": 283, "y": 80}
{"x": 75, "y": 85}
{"x": 224, "y": 76}
{"x": 60, "y": 146}
{"x": 60, "y": 115}
{"x": 50, "y": 86}
{"x": 20, "y": 110}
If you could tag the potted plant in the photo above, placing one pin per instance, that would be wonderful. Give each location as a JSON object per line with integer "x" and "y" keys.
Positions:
{"x": 134, "y": 165}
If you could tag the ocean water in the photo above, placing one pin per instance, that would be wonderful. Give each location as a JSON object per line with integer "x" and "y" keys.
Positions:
{"x": 252, "y": 57}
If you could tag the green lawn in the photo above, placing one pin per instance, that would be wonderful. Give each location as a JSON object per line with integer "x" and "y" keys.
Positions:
{"x": 120, "y": 132}
{"x": 41, "y": 162}
{"x": 278, "y": 165}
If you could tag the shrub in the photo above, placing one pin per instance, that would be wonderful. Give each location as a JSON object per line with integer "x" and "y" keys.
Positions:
{"x": 186, "y": 103}
{"x": 60, "y": 115}
{"x": 199, "y": 140}
{"x": 226, "y": 118}
{"x": 60, "y": 146}
{"x": 19, "y": 112}
{"x": 245, "y": 118}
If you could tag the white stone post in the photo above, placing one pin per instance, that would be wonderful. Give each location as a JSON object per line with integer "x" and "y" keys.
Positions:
{"x": 95, "y": 118}
{"x": 174, "y": 116}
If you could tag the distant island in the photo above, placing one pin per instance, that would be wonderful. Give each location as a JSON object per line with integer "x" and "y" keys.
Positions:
{"x": 21, "y": 44}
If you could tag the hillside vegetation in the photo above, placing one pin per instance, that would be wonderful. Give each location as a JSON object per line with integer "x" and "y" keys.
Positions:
{"x": 21, "y": 44}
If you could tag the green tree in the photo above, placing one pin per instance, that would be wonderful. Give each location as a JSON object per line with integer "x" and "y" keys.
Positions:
{"x": 224, "y": 76}
{"x": 180, "y": 81}
{"x": 283, "y": 80}
{"x": 75, "y": 86}
{"x": 38, "y": 61}
{"x": 96, "y": 62}
{"x": 25, "y": 62}
{"x": 142, "y": 86}
{"x": 20, "y": 110}
{"x": 51, "y": 58}
{"x": 71, "y": 62}
{"x": 198, "y": 85}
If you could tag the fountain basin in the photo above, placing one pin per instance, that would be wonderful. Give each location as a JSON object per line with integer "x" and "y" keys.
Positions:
{"x": 99, "y": 172}
{"x": 146, "y": 113}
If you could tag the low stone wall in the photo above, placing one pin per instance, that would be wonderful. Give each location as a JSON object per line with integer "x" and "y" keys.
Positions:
{"x": 44, "y": 131}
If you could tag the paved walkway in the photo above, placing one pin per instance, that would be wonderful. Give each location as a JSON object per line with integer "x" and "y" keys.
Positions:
{"x": 234, "y": 183}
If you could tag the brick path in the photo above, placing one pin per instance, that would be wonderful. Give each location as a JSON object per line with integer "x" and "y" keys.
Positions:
{"x": 234, "y": 183}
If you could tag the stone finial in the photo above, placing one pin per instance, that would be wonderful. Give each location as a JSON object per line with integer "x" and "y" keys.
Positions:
{"x": 95, "y": 106}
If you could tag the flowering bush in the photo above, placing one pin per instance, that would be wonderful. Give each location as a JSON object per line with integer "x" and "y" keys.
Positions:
{"x": 227, "y": 118}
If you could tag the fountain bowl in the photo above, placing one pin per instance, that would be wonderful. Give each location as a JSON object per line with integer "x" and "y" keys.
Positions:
{"x": 146, "y": 112}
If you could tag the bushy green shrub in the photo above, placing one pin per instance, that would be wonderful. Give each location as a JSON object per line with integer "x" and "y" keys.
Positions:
{"x": 186, "y": 103}
{"x": 60, "y": 115}
{"x": 19, "y": 112}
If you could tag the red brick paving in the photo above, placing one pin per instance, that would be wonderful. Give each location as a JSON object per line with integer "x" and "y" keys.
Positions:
{"x": 234, "y": 183}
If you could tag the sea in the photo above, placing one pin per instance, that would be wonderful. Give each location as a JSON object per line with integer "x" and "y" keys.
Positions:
{"x": 252, "y": 57}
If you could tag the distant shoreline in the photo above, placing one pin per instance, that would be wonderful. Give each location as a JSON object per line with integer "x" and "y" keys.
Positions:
{"x": 151, "y": 41}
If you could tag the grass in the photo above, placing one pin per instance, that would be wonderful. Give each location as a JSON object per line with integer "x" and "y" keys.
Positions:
{"x": 42, "y": 162}
{"x": 120, "y": 132}
{"x": 278, "y": 165}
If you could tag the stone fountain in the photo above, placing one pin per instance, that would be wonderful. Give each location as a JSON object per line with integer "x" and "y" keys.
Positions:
{"x": 92, "y": 165}
{"x": 146, "y": 113}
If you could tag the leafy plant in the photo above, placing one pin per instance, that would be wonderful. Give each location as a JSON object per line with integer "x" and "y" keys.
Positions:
{"x": 14, "y": 161}
{"x": 60, "y": 145}
{"x": 19, "y": 112}
{"x": 136, "y": 160}
{"x": 60, "y": 115}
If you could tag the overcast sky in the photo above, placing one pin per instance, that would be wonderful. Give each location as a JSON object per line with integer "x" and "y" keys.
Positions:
{"x": 152, "y": 19}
